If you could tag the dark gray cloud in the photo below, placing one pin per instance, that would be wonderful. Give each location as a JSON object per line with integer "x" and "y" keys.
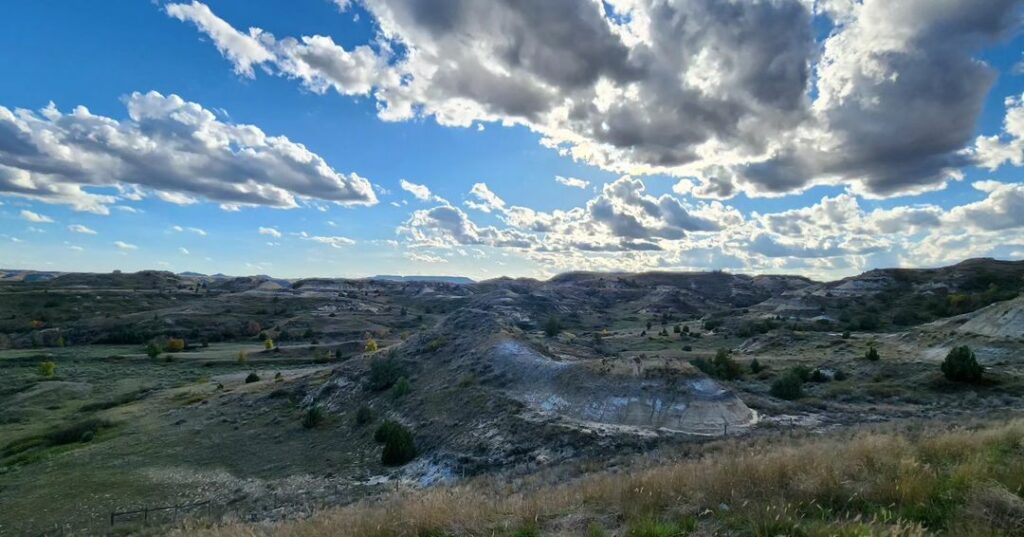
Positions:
{"x": 900, "y": 94}
{"x": 734, "y": 93}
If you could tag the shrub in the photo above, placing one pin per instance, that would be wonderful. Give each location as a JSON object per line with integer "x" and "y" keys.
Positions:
{"x": 961, "y": 365}
{"x": 399, "y": 447}
{"x": 401, "y": 388}
{"x": 818, "y": 376}
{"x": 846, "y": 335}
{"x": 82, "y": 431}
{"x": 552, "y": 327}
{"x": 364, "y": 415}
{"x": 867, "y": 322}
{"x": 312, "y": 417}
{"x": 802, "y": 372}
{"x": 384, "y": 373}
{"x": 788, "y": 387}
{"x": 466, "y": 380}
{"x": 755, "y": 366}
{"x": 722, "y": 366}
{"x": 153, "y": 350}
{"x": 727, "y": 368}
{"x": 687, "y": 348}
{"x": 436, "y": 344}
{"x": 872, "y": 354}
{"x": 253, "y": 377}
{"x": 371, "y": 345}
{"x": 268, "y": 344}
{"x": 175, "y": 345}
{"x": 47, "y": 369}
{"x": 242, "y": 358}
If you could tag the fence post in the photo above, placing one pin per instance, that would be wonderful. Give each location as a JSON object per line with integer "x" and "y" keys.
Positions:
{"x": 111, "y": 518}
{"x": 145, "y": 514}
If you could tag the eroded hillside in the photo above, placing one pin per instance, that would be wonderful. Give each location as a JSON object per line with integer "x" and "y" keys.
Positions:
{"x": 264, "y": 399}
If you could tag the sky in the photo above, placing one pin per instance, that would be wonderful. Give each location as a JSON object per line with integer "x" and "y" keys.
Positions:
{"x": 349, "y": 138}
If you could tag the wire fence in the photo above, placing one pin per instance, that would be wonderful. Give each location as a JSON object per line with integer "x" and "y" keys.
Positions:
{"x": 167, "y": 513}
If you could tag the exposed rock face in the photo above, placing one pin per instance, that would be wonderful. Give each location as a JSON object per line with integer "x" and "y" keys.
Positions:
{"x": 1000, "y": 320}
{"x": 693, "y": 405}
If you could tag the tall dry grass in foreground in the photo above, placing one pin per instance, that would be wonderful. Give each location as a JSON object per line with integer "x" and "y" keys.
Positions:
{"x": 964, "y": 482}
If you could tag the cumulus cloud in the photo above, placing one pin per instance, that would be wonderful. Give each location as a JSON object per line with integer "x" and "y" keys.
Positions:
{"x": 425, "y": 258}
{"x": 244, "y": 50}
{"x": 175, "y": 147}
{"x": 739, "y": 96}
{"x": 332, "y": 241}
{"x": 420, "y": 192}
{"x": 79, "y": 228}
{"x": 176, "y": 198}
{"x": 572, "y": 181}
{"x": 36, "y": 217}
{"x": 181, "y": 229}
{"x": 121, "y": 245}
{"x": 625, "y": 228}
{"x": 270, "y": 231}
{"x": 450, "y": 226}
{"x": 316, "y": 60}
{"x": 1002, "y": 208}
{"x": 484, "y": 200}
{"x": 1008, "y": 147}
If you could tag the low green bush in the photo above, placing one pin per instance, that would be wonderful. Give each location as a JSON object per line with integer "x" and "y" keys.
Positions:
{"x": 364, "y": 415}
{"x": 47, "y": 369}
{"x": 384, "y": 373}
{"x": 312, "y": 417}
{"x": 789, "y": 387}
{"x": 401, "y": 388}
{"x": 722, "y": 366}
{"x": 81, "y": 431}
{"x": 961, "y": 365}
{"x": 399, "y": 446}
{"x": 552, "y": 327}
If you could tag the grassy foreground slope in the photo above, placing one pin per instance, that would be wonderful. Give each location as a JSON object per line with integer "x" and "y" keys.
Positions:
{"x": 963, "y": 482}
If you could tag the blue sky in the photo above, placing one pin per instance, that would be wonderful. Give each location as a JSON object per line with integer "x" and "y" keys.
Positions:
{"x": 97, "y": 56}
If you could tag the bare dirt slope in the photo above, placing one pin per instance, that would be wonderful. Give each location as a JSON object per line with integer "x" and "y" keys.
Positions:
{"x": 1000, "y": 320}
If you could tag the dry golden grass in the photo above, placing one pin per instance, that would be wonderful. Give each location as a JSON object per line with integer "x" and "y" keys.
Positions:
{"x": 961, "y": 482}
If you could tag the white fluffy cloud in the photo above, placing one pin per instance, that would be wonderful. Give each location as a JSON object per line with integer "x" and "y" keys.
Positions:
{"x": 175, "y": 147}
{"x": 624, "y": 228}
{"x": 36, "y": 217}
{"x": 572, "y": 181}
{"x": 739, "y": 95}
{"x": 270, "y": 231}
{"x": 420, "y": 192}
{"x": 121, "y": 245}
{"x": 484, "y": 200}
{"x": 79, "y": 228}
{"x": 332, "y": 241}
{"x": 244, "y": 50}
{"x": 181, "y": 229}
